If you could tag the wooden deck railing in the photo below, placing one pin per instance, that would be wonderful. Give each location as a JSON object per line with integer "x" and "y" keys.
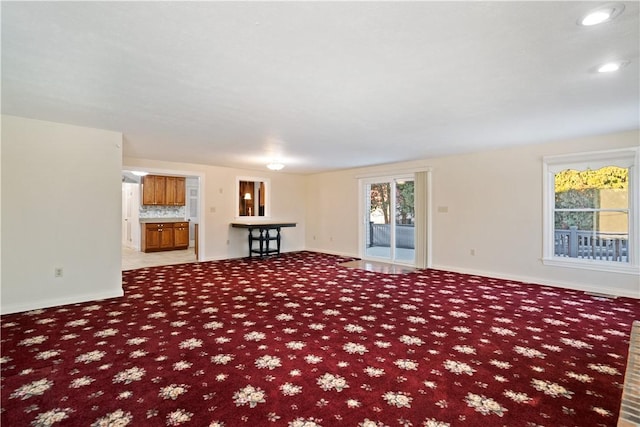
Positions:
{"x": 574, "y": 243}
{"x": 380, "y": 235}
{"x": 571, "y": 243}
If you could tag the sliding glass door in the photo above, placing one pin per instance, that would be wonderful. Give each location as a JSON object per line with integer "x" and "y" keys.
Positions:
{"x": 389, "y": 216}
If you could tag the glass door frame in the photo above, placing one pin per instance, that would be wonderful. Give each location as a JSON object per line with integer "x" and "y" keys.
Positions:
{"x": 365, "y": 197}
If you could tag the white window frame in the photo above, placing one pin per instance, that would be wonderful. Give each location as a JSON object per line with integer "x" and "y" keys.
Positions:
{"x": 267, "y": 198}
{"x": 627, "y": 158}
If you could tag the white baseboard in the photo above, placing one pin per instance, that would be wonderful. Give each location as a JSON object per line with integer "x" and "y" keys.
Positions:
{"x": 214, "y": 258}
{"x": 227, "y": 256}
{"x": 337, "y": 253}
{"x": 539, "y": 281}
{"x": 72, "y": 299}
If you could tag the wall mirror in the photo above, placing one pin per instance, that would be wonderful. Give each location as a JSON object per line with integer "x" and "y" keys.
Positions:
{"x": 252, "y": 197}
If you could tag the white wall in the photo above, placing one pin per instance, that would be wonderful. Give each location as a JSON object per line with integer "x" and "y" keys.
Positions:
{"x": 61, "y": 207}
{"x": 494, "y": 203}
{"x": 332, "y": 212}
{"x": 61, "y": 195}
{"x": 218, "y": 202}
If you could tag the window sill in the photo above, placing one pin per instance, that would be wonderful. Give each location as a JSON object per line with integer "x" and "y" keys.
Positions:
{"x": 582, "y": 264}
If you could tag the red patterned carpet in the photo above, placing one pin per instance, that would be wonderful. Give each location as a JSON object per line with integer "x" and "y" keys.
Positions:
{"x": 300, "y": 341}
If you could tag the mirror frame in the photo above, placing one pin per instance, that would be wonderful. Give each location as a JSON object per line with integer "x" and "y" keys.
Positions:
{"x": 267, "y": 197}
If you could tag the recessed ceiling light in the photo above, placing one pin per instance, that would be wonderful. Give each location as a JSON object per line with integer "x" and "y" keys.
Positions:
{"x": 602, "y": 14}
{"x": 139, "y": 173}
{"x": 610, "y": 67}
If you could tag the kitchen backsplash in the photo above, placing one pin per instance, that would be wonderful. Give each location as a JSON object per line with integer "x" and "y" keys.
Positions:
{"x": 162, "y": 212}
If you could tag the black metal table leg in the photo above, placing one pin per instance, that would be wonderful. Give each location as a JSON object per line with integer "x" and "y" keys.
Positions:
{"x": 264, "y": 237}
{"x": 262, "y": 242}
{"x": 278, "y": 240}
{"x": 267, "y": 240}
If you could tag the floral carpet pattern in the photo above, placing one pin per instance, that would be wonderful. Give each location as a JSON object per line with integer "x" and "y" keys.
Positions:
{"x": 298, "y": 340}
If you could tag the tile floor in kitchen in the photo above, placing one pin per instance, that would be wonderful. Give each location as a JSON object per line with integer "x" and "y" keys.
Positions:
{"x": 132, "y": 259}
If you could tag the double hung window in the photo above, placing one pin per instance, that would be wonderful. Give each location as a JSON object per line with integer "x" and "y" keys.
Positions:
{"x": 591, "y": 211}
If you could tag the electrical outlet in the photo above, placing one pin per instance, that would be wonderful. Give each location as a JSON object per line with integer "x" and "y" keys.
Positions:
{"x": 58, "y": 272}
{"x": 472, "y": 252}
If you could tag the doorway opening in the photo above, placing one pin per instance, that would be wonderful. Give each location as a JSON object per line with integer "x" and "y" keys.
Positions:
{"x": 389, "y": 219}
{"x": 135, "y": 217}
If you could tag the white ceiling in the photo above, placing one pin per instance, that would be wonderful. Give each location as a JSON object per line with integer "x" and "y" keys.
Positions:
{"x": 323, "y": 85}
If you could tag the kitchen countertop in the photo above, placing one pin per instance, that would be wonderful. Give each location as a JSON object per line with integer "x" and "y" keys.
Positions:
{"x": 165, "y": 220}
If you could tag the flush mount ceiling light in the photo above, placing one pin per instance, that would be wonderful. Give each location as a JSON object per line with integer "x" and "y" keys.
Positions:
{"x": 275, "y": 166}
{"x": 140, "y": 173}
{"x": 610, "y": 67}
{"x": 605, "y": 13}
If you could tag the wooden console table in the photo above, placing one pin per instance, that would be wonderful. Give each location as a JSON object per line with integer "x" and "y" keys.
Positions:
{"x": 264, "y": 237}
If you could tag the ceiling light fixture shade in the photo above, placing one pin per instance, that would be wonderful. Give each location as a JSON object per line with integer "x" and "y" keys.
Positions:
{"x": 596, "y": 18}
{"x": 605, "y": 13}
{"x": 610, "y": 67}
{"x": 275, "y": 166}
{"x": 140, "y": 173}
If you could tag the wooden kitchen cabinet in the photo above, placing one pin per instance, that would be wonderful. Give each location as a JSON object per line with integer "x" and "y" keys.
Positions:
{"x": 181, "y": 235}
{"x": 163, "y": 190}
{"x": 170, "y": 190}
{"x": 148, "y": 190}
{"x": 158, "y": 237}
{"x": 153, "y": 190}
{"x": 175, "y": 191}
{"x": 166, "y": 238}
{"x": 150, "y": 239}
{"x": 181, "y": 190}
{"x": 160, "y": 190}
